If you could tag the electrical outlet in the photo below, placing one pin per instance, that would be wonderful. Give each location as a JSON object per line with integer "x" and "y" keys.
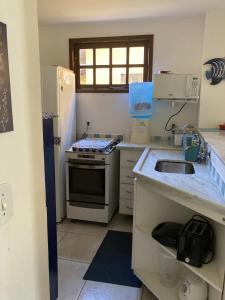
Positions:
{"x": 89, "y": 125}
{"x": 174, "y": 126}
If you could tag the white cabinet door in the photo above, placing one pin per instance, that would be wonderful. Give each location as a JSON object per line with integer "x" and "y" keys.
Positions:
{"x": 127, "y": 191}
{"x": 126, "y": 206}
{"x": 126, "y": 176}
{"x": 128, "y": 159}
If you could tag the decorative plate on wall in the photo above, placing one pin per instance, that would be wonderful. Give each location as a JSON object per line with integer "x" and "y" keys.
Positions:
{"x": 6, "y": 119}
{"x": 217, "y": 70}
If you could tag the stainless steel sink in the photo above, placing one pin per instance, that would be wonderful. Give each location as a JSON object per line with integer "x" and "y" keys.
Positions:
{"x": 174, "y": 166}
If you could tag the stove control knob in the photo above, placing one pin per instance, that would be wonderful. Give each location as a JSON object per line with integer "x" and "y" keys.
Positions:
{"x": 187, "y": 260}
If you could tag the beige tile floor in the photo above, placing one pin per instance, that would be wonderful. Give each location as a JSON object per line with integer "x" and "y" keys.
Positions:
{"x": 89, "y": 228}
{"x": 60, "y": 235}
{"x": 79, "y": 247}
{"x": 78, "y": 242}
{"x": 121, "y": 223}
{"x": 106, "y": 291}
{"x": 64, "y": 226}
{"x": 70, "y": 278}
{"x": 147, "y": 295}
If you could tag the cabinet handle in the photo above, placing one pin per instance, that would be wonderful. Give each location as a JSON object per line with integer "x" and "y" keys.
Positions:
{"x": 128, "y": 192}
{"x": 129, "y": 207}
{"x": 131, "y": 161}
{"x": 131, "y": 177}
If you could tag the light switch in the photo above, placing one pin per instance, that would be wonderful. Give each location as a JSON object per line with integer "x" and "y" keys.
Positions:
{"x": 6, "y": 205}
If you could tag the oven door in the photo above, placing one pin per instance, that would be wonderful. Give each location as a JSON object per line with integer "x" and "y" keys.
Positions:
{"x": 86, "y": 184}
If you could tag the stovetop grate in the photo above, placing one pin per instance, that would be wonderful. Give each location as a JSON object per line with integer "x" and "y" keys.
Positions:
{"x": 94, "y": 145}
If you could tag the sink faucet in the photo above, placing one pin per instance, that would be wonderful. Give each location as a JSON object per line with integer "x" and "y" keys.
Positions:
{"x": 203, "y": 155}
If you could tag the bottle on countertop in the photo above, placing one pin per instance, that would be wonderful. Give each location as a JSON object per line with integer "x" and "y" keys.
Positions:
{"x": 192, "y": 151}
{"x": 177, "y": 136}
{"x": 195, "y": 140}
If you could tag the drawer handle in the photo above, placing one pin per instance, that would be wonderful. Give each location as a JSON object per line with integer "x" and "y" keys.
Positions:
{"x": 128, "y": 192}
{"x": 131, "y": 161}
{"x": 131, "y": 177}
{"x": 129, "y": 207}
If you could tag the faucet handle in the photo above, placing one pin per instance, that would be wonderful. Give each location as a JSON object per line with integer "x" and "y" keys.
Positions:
{"x": 203, "y": 154}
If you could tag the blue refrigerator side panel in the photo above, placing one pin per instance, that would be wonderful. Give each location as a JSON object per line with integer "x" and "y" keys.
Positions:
{"x": 51, "y": 205}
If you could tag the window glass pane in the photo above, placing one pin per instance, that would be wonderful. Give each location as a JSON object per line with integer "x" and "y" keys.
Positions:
{"x": 136, "y": 55}
{"x": 119, "y": 56}
{"x": 102, "y": 76}
{"x": 102, "y": 56}
{"x": 86, "y": 76}
{"x": 136, "y": 74}
{"x": 86, "y": 57}
{"x": 119, "y": 76}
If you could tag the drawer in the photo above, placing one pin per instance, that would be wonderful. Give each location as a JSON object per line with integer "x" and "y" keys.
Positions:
{"x": 126, "y": 176}
{"x": 128, "y": 159}
{"x": 126, "y": 206}
{"x": 127, "y": 191}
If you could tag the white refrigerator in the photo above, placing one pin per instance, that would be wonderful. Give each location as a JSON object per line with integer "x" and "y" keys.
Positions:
{"x": 58, "y": 98}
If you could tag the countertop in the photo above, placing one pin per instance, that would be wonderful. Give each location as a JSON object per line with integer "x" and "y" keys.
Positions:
{"x": 155, "y": 144}
{"x": 216, "y": 141}
{"x": 198, "y": 188}
{"x": 192, "y": 187}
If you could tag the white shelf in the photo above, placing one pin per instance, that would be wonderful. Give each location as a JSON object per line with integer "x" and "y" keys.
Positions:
{"x": 152, "y": 281}
{"x": 207, "y": 272}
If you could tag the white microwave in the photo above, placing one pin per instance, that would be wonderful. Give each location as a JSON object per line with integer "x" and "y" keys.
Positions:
{"x": 176, "y": 87}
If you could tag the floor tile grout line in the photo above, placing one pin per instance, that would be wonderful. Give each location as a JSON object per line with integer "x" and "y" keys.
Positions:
{"x": 142, "y": 291}
{"x": 75, "y": 261}
{"x": 84, "y": 234}
{"x": 69, "y": 259}
{"x": 58, "y": 241}
{"x": 83, "y": 286}
{"x": 66, "y": 230}
{"x": 91, "y": 258}
{"x": 95, "y": 235}
{"x": 78, "y": 296}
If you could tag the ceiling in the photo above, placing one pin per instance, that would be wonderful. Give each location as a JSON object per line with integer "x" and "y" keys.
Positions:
{"x": 69, "y": 11}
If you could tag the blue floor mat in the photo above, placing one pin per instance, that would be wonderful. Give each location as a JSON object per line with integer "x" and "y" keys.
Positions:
{"x": 112, "y": 262}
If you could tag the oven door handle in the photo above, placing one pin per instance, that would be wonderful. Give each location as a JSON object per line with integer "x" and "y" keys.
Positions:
{"x": 87, "y": 167}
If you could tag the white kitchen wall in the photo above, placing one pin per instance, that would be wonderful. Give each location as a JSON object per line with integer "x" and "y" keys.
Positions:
{"x": 212, "y": 111}
{"x": 23, "y": 246}
{"x": 177, "y": 47}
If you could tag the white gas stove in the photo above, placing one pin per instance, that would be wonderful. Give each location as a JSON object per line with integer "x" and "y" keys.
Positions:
{"x": 92, "y": 172}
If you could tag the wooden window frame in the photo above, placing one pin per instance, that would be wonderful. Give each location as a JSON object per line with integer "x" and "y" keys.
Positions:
{"x": 110, "y": 42}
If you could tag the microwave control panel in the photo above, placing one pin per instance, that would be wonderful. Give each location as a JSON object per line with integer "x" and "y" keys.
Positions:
{"x": 192, "y": 87}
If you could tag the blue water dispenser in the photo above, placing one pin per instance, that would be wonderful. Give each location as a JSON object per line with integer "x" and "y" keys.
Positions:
{"x": 140, "y": 110}
{"x": 140, "y": 98}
